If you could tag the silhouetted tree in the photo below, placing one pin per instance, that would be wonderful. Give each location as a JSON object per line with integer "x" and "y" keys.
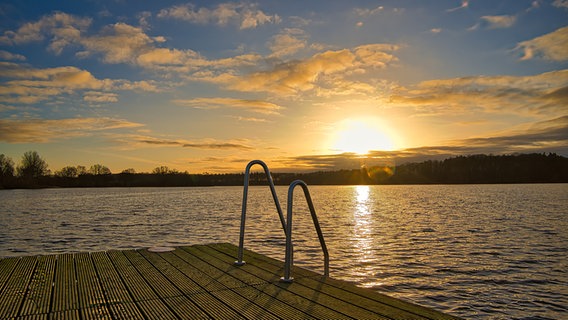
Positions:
{"x": 99, "y": 169}
{"x": 32, "y": 166}
{"x": 128, "y": 171}
{"x": 6, "y": 166}
{"x": 81, "y": 170}
{"x": 6, "y": 171}
{"x": 164, "y": 170}
{"x": 67, "y": 172}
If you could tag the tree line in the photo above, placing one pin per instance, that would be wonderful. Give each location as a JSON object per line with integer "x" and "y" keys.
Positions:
{"x": 33, "y": 172}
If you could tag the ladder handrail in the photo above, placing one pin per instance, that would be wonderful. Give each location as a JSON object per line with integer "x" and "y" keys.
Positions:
{"x": 240, "y": 261}
{"x": 289, "y": 250}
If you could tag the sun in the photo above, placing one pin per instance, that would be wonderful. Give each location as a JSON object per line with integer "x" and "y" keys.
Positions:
{"x": 361, "y": 136}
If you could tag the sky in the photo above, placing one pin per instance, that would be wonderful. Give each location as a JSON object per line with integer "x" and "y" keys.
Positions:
{"x": 207, "y": 86}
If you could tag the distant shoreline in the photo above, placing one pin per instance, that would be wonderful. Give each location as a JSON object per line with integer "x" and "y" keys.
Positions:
{"x": 476, "y": 169}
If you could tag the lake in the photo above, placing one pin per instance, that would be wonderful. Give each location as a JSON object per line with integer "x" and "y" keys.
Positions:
{"x": 476, "y": 251}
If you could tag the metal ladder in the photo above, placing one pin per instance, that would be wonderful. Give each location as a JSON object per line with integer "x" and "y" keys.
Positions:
{"x": 287, "y": 227}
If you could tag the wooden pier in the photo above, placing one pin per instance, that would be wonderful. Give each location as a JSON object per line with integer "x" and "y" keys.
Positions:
{"x": 193, "y": 282}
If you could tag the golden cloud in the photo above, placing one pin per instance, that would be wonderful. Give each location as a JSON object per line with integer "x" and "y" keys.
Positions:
{"x": 551, "y": 46}
{"x": 60, "y": 27}
{"x": 246, "y": 104}
{"x": 498, "y": 22}
{"x": 303, "y": 75}
{"x": 139, "y": 141}
{"x": 118, "y": 43}
{"x": 100, "y": 97}
{"x": 42, "y": 130}
{"x": 288, "y": 42}
{"x": 5, "y": 55}
{"x": 32, "y": 85}
{"x": 246, "y": 15}
{"x": 123, "y": 43}
{"x": 540, "y": 93}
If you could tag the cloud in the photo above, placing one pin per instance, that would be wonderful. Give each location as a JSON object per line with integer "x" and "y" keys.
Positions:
{"x": 100, "y": 97}
{"x": 560, "y": 3}
{"x": 31, "y": 85}
{"x": 5, "y": 55}
{"x": 117, "y": 43}
{"x": 495, "y": 22}
{"x": 542, "y": 136}
{"x": 548, "y": 135}
{"x": 123, "y": 43}
{"x": 59, "y": 27}
{"x": 364, "y": 12}
{"x": 551, "y": 46}
{"x": 287, "y": 42}
{"x": 325, "y": 162}
{"x": 43, "y": 131}
{"x": 464, "y": 5}
{"x": 208, "y": 144}
{"x": 303, "y": 75}
{"x": 532, "y": 95}
{"x": 249, "y": 105}
{"x": 245, "y": 15}
{"x": 190, "y": 65}
{"x": 217, "y": 145}
{"x": 296, "y": 76}
{"x": 249, "y": 119}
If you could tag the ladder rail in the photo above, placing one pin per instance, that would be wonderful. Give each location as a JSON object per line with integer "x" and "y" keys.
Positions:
{"x": 288, "y": 262}
{"x": 240, "y": 261}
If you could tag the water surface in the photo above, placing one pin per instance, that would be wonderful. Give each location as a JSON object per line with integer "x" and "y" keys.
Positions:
{"x": 477, "y": 251}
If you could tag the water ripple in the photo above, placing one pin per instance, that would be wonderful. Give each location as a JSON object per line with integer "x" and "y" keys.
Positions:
{"x": 476, "y": 251}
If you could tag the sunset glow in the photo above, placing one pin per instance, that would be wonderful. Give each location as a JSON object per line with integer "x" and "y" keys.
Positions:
{"x": 360, "y": 137}
{"x": 206, "y": 86}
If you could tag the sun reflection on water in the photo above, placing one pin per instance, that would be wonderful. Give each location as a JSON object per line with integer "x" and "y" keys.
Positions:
{"x": 363, "y": 224}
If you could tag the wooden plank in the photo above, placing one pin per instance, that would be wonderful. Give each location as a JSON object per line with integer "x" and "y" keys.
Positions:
{"x": 195, "y": 282}
{"x": 180, "y": 280}
{"x": 185, "y": 308}
{"x": 206, "y": 276}
{"x": 142, "y": 293}
{"x": 98, "y": 313}
{"x": 159, "y": 283}
{"x": 211, "y": 274}
{"x": 33, "y": 317}
{"x": 65, "y": 315}
{"x": 7, "y": 265}
{"x": 196, "y": 299}
{"x": 14, "y": 291}
{"x": 156, "y": 309}
{"x": 314, "y": 295}
{"x": 65, "y": 295}
{"x": 216, "y": 292}
{"x": 314, "y": 291}
{"x": 199, "y": 277}
{"x": 269, "y": 286}
{"x": 214, "y": 307}
{"x": 125, "y": 310}
{"x": 38, "y": 298}
{"x": 135, "y": 284}
{"x": 352, "y": 294}
{"x": 91, "y": 297}
{"x": 285, "y": 310}
{"x": 203, "y": 256}
{"x": 117, "y": 297}
{"x": 262, "y": 292}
